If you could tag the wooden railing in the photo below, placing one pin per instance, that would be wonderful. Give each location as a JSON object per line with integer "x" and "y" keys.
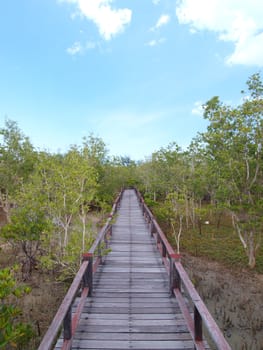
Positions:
{"x": 181, "y": 283}
{"x": 82, "y": 282}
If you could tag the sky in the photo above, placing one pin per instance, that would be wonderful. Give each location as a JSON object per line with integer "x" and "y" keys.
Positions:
{"x": 134, "y": 73}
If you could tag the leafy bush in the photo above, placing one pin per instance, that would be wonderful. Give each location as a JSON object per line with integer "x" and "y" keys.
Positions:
{"x": 13, "y": 333}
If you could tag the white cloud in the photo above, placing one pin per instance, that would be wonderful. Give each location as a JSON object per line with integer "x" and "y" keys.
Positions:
{"x": 248, "y": 52}
{"x": 198, "y": 108}
{"x": 77, "y": 48}
{"x": 90, "y": 45}
{"x": 155, "y": 2}
{"x": 155, "y": 42}
{"x": 162, "y": 21}
{"x": 110, "y": 21}
{"x": 237, "y": 21}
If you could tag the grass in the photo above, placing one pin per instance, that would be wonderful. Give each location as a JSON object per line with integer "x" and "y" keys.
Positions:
{"x": 222, "y": 245}
{"x": 219, "y": 244}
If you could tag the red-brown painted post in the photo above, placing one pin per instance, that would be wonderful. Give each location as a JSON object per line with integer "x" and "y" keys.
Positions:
{"x": 172, "y": 274}
{"x": 158, "y": 240}
{"x": 67, "y": 325}
{"x": 88, "y": 275}
{"x": 164, "y": 250}
{"x": 198, "y": 325}
{"x": 99, "y": 250}
{"x": 175, "y": 279}
{"x": 152, "y": 228}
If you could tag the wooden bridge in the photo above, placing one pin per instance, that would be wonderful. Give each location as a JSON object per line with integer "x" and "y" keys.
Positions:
{"x": 138, "y": 296}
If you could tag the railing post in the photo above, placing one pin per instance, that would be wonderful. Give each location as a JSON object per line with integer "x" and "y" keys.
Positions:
{"x": 67, "y": 325}
{"x": 151, "y": 228}
{"x": 172, "y": 274}
{"x": 198, "y": 325}
{"x": 88, "y": 276}
{"x": 175, "y": 279}
{"x": 158, "y": 240}
{"x": 99, "y": 251}
{"x": 164, "y": 251}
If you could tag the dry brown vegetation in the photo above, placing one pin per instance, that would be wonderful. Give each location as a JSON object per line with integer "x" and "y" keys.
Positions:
{"x": 234, "y": 297}
{"x": 39, "y": 306}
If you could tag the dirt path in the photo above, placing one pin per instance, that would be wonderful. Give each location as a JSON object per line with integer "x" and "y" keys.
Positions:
{"x": 234, "y": 298}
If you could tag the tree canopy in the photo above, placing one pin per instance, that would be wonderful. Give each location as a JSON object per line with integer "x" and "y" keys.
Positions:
{"x": 220, "y": 171}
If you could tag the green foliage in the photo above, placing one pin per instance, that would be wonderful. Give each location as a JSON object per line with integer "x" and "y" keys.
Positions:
{"x": 26, "y": 230}
{"x": 18, "y": 159}
{"x": 73, "y": 254}
{"x": 27, "y": 224}
{"x": 220, "y": 174}
{"x": 149, "y": 201}
{"x": 219, "y": 245}
{"x": 13, "y": 334}
{"x": 67, "y": 265}
{"x": 234, "y": 154}
{"x": 222, "y": 168}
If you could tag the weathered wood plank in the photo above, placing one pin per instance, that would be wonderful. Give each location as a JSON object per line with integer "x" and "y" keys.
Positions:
{"x": 134, "y": 336}
{"x": 134, "y": 317}
{"x": 131, "y": 307}
{"x": 135, "y": 344}
{"x": 135, "y": 310}
{"x": 124, "y": 322}
{"x": 131, "y": 329}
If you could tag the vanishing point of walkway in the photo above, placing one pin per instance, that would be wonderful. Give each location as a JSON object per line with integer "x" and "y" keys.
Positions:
{"x": 131, "y": 307}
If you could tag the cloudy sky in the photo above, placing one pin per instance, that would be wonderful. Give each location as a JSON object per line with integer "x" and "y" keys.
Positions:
{"x": 133, "y": 72}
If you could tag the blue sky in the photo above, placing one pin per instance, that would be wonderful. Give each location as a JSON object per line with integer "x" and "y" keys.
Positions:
{"x": 133, "y": 72}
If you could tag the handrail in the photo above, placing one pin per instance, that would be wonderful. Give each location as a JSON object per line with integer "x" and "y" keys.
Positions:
{"x": 82, "y": 279}
{"x": 179, "y": 276}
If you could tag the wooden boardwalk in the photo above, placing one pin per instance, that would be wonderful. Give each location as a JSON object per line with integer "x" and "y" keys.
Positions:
{"x": 131, "y": 306}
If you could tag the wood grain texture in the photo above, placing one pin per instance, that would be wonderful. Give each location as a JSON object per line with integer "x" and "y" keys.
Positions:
{"x": 131, "y": 307}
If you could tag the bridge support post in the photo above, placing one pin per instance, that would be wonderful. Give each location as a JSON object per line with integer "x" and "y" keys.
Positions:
{"x": 164, "y": 250}
{"x": 67, "y": 325}
{"x": 88, "y": 276}
{"x": 151, "y": 228}
{"x": 158, "y": 240}
{"x": 175, "y": 279}
{"x": 172, "y": 274}
{"x": 99, "y": 252}
{"x": 198, "y": 325}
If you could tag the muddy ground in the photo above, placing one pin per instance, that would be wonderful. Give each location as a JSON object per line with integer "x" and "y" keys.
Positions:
{"x": 233, "y": 297}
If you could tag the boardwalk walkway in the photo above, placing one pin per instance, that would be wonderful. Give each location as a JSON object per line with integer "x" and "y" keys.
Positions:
{"x": 130, "y": 307}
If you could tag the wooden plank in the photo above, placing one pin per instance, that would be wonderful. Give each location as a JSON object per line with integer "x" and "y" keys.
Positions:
{"x": 134, "y": 317}
{"x": 134, "y": 336}
{"x": 131, "y": 307}
{"x": 126, "y": 344}
{"x": 138, "y": 310}
{"x": 132, "y": 304}
{"x": 124, "y": 322}
{"x": 131, "y": 329}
